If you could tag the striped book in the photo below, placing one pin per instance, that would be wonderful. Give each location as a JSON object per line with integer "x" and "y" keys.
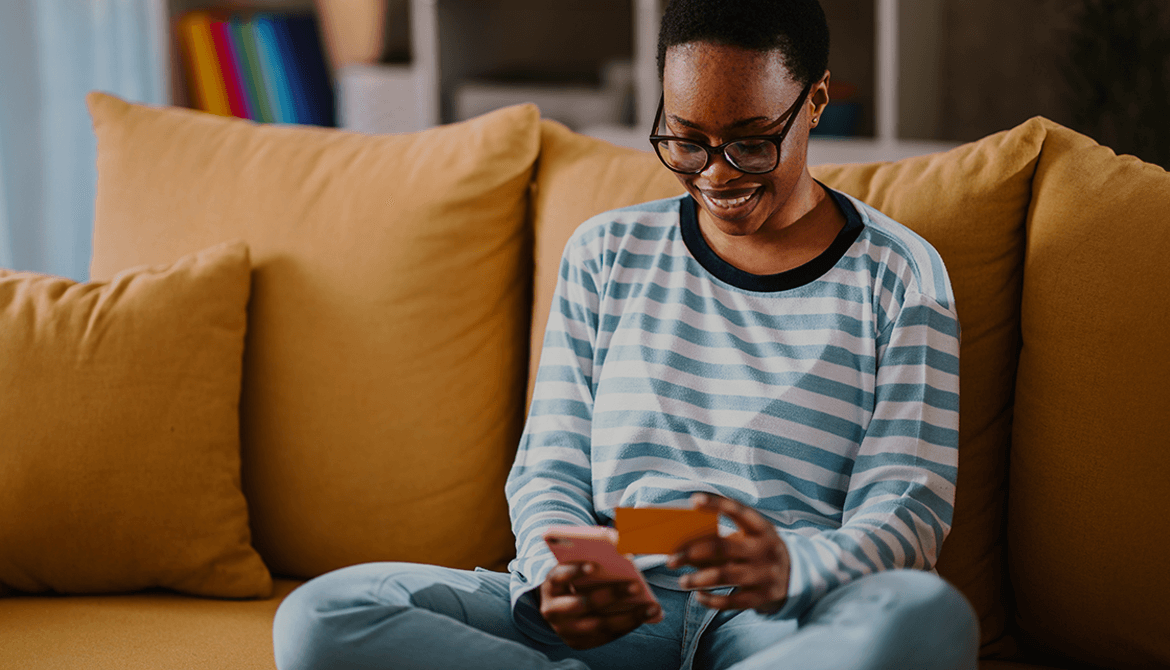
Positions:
{"x": 205, "y": 80}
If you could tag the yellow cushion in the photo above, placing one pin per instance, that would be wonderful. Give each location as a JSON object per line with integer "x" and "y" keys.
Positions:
{"x": 971, "y": 203}
{"x": 384, "y": 367}
{"x": 1089, "y": 534}
{"x": 143, "y": 631}
{"x": 577, "y": 177}
{"x": 119, "y": 452}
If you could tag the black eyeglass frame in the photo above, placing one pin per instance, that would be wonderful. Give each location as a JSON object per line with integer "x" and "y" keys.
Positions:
{"x": 776, "y": 139}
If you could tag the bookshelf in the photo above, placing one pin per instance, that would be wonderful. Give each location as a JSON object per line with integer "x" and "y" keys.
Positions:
{"x": 457, "y": 58}
{"x": 888, "y": 50}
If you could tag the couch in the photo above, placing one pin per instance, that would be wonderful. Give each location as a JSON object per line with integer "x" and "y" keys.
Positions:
{"x": 303, "y": 348}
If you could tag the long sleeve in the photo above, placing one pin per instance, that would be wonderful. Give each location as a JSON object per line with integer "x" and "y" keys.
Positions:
{"x": 899, "y": 503}
{"x": 550, "y": 482}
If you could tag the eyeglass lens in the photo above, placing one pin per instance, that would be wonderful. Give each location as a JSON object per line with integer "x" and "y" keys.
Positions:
{"x": 748, "y": 155}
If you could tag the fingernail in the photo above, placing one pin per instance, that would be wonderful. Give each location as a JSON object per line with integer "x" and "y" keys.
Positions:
{"x": 651, "y": 611}
{"x": 633, "y": 589}
{"x": 587, "y": 568}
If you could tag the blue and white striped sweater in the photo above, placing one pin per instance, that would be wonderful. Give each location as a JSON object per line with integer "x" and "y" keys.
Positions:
{"x": 828, "y": 402}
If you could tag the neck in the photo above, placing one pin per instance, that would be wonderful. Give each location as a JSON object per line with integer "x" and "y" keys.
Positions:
{"x": 795, "y": 234}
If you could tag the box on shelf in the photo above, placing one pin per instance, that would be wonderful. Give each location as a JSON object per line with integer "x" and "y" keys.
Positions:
{"x": 574, "y": 104}
{"x": 379, "y": 98}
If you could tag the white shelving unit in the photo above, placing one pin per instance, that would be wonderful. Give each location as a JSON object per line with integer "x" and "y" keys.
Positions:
{"x": 886, "y": 145}
{"x": 411, "y": 96}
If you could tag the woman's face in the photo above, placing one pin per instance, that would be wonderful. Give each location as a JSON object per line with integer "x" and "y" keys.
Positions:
{"x": 715, "y": 93}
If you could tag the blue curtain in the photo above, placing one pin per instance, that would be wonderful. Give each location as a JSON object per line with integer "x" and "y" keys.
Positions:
{"x": 52, "y": 52}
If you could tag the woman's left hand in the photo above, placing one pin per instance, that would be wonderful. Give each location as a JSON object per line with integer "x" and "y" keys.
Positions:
{"x": 753, "y": 559}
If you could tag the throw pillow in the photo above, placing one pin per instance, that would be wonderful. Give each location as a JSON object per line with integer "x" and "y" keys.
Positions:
{"x": 119, "y": 431}
{"x": 383, "y": 377}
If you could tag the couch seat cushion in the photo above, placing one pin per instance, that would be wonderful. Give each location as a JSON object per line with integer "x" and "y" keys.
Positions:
{"x": 146, "y": 631}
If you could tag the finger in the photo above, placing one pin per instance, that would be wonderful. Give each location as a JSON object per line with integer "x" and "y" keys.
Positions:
{"x": 737, "y": 548}
{"x": 563, "y": 575}
{"x": 565, "y": 607}
{"x": 743, "y": 575}
{"x": 589, "y": 632}
{"x": 614, "y": 597}
{"x": 749, "y": 520}
{"x": 622, "y": 623}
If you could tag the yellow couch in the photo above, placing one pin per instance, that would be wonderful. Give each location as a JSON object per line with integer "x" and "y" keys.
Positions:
{"x": 325, "y": 339}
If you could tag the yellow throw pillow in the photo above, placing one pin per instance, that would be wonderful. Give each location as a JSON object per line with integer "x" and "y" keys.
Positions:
{"x": 971, "y": 203}
{"x": 384, "y": 368}
{"x": 119, "y": 431}
{"x": 1089, "y": 532}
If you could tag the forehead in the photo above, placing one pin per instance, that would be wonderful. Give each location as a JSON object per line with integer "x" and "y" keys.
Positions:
{"x": 702, "y": 81}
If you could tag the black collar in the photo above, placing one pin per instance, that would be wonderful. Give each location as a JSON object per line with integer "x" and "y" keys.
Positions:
{"x": 782, "y": 281}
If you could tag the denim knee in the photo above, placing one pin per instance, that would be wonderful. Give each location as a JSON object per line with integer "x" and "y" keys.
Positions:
{"x": 313, "y": 624}
{"x": 926, "y": 621}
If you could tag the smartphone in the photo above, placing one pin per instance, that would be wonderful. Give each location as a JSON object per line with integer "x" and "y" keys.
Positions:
{"x": 598, "y": 545}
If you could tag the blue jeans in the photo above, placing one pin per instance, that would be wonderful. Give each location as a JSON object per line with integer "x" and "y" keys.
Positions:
{"x": 421, "y": 617}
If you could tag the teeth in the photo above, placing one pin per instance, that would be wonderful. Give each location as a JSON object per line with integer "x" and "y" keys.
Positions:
{"x": 728, "y": 202}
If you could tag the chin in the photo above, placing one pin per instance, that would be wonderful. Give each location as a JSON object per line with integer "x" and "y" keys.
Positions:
{"x": 736, "y": 224}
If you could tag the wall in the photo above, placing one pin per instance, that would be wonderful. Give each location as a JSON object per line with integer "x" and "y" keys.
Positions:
{"x": 1000, "y": 65}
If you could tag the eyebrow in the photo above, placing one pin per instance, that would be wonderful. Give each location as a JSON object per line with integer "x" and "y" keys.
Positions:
{"x": 734, "y": 125}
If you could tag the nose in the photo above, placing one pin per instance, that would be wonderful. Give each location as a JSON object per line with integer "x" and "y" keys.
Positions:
{"x": 720, "y": 170}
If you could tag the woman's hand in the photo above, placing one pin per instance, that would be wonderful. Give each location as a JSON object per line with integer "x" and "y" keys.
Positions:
{"x": 590, "y": 615}
{"x": 753, "y": 559}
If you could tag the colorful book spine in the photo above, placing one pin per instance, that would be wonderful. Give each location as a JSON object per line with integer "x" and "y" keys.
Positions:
{"x": 275, "y": 78}
{"x": 221, "y": 38}
{"x": 203, "y": 74}
{"x": 266, "y": 67}
{"x": 293, "y": 74}
{"x": 309, "y": 53}
{"x": 249, "y": 70}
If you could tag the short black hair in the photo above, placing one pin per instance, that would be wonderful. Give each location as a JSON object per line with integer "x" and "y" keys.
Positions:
{"x": 796, "y": 28}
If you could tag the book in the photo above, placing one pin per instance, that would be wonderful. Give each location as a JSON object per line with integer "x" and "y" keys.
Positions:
{"x": 248, "y": 63}
{"x": 265, "y": 66}
{"x": 228, "y": 67}
{"x": 309, "y": 54}
{"x": 294, "y": 78}
{"x": 205, "y": 81}
{"x": 272, "y": 69}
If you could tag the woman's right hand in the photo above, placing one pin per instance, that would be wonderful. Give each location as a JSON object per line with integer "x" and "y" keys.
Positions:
{"x": 590, "y": 615}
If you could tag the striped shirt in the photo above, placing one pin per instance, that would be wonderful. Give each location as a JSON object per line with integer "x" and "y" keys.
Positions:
{"x": 826, "y": 397}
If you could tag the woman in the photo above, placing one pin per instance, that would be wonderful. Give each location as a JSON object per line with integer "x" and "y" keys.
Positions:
{"x": 763, "y": 347}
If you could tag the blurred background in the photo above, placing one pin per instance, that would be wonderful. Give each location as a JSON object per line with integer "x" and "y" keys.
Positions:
{"x": 909, "y": 77}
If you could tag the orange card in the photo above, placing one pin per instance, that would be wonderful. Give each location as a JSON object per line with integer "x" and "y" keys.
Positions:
{"x": 661, "y": 530}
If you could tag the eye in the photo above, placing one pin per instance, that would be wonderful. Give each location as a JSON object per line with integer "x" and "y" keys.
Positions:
{"x": 752, "y": 147}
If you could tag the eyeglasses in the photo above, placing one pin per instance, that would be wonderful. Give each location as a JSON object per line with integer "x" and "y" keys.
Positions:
{"x": 756, "y": 154}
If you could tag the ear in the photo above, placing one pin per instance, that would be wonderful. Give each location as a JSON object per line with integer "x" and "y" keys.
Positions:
{"x": 818, "y": 99}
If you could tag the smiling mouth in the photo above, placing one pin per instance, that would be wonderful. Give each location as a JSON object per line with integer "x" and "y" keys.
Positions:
{"x": 729, "y": 205}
